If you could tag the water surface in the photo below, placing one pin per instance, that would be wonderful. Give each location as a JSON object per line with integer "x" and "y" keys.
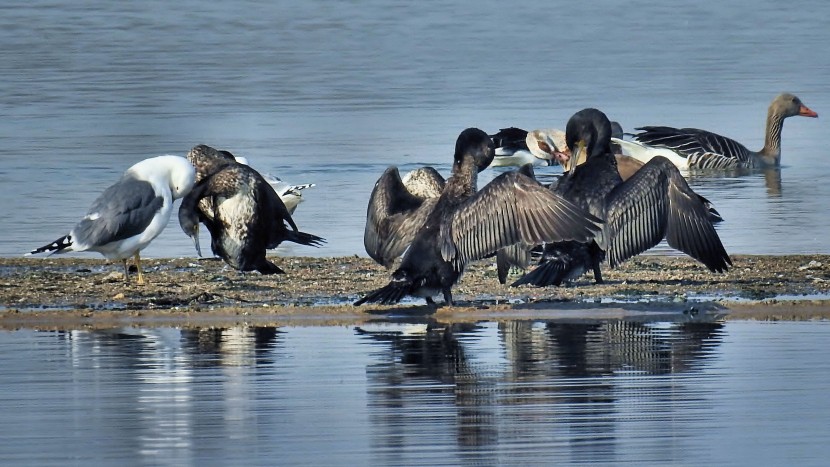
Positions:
{"x": 333, "y": 93}
{"x": 515, "y": 393}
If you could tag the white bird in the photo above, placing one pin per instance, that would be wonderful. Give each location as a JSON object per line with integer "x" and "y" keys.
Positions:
{"x": 131, "y": 213}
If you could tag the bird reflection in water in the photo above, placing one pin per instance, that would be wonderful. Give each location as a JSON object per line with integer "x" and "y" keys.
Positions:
{"x": 550, "y": 380}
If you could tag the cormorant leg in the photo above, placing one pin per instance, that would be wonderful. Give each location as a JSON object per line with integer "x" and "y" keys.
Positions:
{"x": 430, "y": 301}
{"x": 448, "y": 297}
{"x": 138, "y": 266}
{"x": 597, "y": 273}
{"x": 596, "y": 260}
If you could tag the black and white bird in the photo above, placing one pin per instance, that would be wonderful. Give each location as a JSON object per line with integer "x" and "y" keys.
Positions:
{"x": 240, "y": 209}
{"x": 693, "y": 148}
{"x": 291, "y": 195}
{"x": 131, "y": 213}
{"x": 442, "y": 235}
{"x": 652, "y": 204}
{"x": 517, "y": 147}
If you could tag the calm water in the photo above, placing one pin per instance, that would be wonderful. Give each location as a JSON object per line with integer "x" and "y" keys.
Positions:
{"x": 333, "y": 92}
{"x": 520, "y": 393}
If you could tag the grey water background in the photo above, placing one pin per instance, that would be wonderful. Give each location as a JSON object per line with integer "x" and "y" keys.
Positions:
{"x": 512, "y": 393}
{"x": 334, "y": 92}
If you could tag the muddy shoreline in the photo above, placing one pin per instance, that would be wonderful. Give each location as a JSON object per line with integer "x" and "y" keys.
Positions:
{"x": 86, "y": 292}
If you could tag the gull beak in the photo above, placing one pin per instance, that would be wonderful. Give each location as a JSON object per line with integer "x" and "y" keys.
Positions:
{"x": 577, "y": 154}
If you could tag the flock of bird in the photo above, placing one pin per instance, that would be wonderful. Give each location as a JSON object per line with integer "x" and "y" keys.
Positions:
{"x": 617, "y": 198}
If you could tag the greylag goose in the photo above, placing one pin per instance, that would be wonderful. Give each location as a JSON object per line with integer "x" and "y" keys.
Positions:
{"x": 246, "y": 216}
{"x": 131, "y": 213}
{"x": 653, "y": 204}
{"x": 706, "y": 150}
{"x": 464, "y": 224}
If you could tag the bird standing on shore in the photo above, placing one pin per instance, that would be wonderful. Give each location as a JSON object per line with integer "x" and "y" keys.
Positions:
{"x": 241, "y": 210}
{"x": 652, "y": 204}
{"x": 131, "y": 213}
{"x": 465, "y": 225}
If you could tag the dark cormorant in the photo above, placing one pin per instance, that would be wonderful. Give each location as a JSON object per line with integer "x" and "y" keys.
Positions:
{"x": 241, "y": 210}
{"x": 652, "y": 204}
{"x": 462, "y": 224}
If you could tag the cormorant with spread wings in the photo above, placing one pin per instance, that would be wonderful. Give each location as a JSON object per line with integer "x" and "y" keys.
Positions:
{"x": 652, "y": 204}
{"x": 442, "y": 235}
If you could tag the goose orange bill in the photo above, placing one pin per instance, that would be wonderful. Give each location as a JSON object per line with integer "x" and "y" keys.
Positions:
{"x": 805, "y": 111}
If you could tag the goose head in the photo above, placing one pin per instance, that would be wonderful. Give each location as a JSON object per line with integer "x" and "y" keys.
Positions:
{"x": 789, "y": 105}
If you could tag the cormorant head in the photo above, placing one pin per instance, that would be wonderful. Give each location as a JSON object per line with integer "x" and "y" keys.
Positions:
{"x": 208, "y": 160}
{"x": 189, "y": 221}
{"x": 476, "y": 144}
{"x": 589, "y": 132}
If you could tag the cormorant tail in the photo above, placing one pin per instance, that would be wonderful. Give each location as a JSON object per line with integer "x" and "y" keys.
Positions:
{"x": 304, "y": 238}
{"x": 549, "y": 272}
{"x": 392, "y": 293}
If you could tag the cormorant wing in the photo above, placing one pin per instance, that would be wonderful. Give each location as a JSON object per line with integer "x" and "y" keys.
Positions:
{"x": 512, "y": 209}
{"x": 395, "y": 215}
{"x": 656, "y": 203}
{"x": 517, "y": 255}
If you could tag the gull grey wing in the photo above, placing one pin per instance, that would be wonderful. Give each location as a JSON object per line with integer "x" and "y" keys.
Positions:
{"x": 393, "y": 217}
{"x": 123, "y": 210}
{"x": 512, "y": 209}
{"x": 656, "y": 203}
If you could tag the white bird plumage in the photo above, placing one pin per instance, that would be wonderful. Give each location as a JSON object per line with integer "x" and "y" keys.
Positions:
{"x": 129, "y": 214}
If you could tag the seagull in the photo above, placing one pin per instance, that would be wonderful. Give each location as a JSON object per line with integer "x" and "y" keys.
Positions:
{"x": 131, "y": 213}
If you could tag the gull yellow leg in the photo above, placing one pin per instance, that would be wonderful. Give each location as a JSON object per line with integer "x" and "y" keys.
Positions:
{"x": 138, "y": 266}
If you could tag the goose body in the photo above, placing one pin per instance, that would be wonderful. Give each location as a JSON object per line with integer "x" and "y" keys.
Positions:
{"x": 702, "y": 149}
{"x": 653, "y": 204}
{"x": 441, "y": 235}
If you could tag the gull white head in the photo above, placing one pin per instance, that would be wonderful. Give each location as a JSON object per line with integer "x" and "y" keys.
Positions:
{"x": 176, "y": 171}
